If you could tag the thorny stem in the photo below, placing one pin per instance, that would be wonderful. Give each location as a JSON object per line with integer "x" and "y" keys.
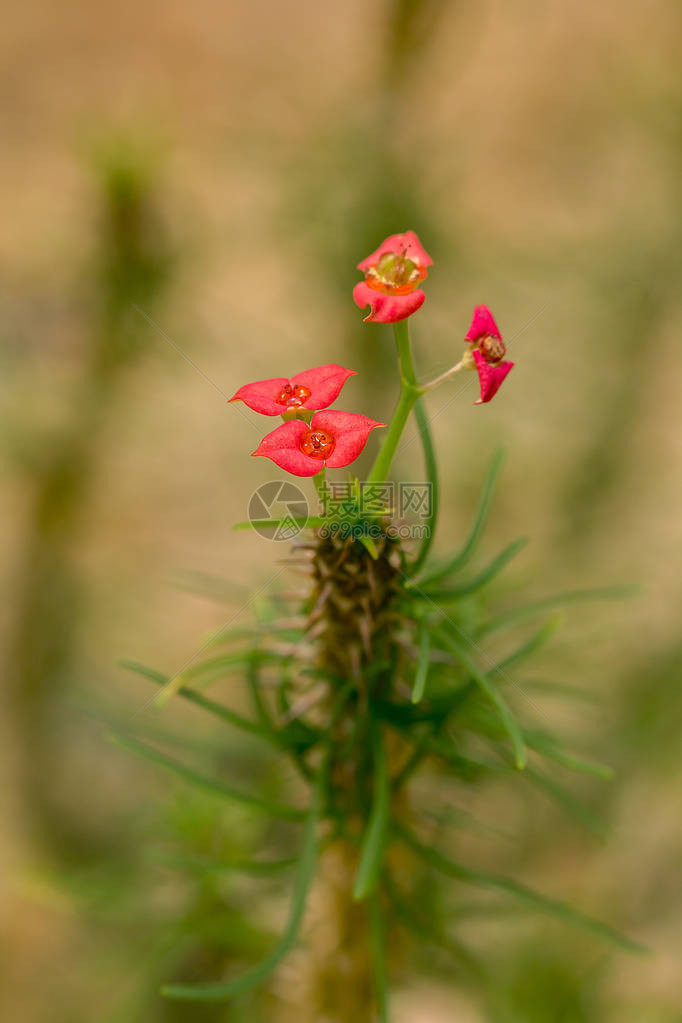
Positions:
{"x": 342, "y": 978}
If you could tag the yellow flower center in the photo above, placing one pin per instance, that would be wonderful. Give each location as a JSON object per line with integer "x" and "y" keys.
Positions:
{"x": 395, "y": 274}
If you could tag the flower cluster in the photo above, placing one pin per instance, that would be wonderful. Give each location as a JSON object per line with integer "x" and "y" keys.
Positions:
{"x": 391, "y": 289}
{"x": 312, "y": 437}
{"x": 309, "y": 439}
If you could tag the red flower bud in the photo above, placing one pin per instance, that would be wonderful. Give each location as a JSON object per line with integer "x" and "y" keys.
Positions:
{"x": 313, "y": 389}
{"x": 488, "y": 352}
{"x": 332, "y": 439}
{"x": 392, "y": 276}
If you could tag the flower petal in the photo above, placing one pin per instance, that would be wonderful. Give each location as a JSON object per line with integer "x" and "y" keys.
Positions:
{"x": 490, "y": 377}
{"x": 407, "y": 243}
{"x": 261, "y": 396}
{"x": 282, "y": 446}
{"x": 350, "y": 432}
{"x": 324, "y": 384}
{"x": 482, "y": 323}
{"x": 386, "y": 308}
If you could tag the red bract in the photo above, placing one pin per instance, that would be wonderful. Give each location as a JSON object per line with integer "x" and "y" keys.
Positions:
{"x": 332, "y": 439}
{"x": 313, "y": 389}
{"x": 392, "y": 275}
{"x": 488, "y": 352}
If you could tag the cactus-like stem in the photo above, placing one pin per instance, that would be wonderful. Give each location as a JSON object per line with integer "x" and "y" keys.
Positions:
{"x": 355, "y": 612}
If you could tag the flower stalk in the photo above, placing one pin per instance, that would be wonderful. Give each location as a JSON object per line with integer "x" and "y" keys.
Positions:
{"x": 410, "y": 392}
{"x": 465, "y": 362}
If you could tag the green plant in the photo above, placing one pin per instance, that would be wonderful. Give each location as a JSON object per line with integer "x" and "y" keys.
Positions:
{"x": 378, "y": 689}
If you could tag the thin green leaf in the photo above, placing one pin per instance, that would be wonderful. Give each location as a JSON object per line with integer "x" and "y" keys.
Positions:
{"x": 252, "y": 978}
{"x": 171, "y": 689}
{"x": 217, "y": 667}
{"x": 568, "y": 802}
{"x": 478, "y": 581}
{"x": 369, "y": 545}
{"x": 210, "y": 785}
{"x": 426, "y": 745}
{"x": 557, "y": 600}
{"x": 374, "y": 841}
{"x": 563, "y": 689}
{"x": 259, "y": 705}
{"x": 545, "y": 745}
{"x": 406, "y": 715}
{"x": 411, "y": 764}
{"x": 431, "y": 466}
{"x": 295, "y": 737}
{"x": 256, "y": 634}
{"x": 422, "y": 664}
{"x": 462, "y": 557}
{"x": 303, "y": 522}
{"x": 552, "y": 907}
{"x": 211, "y": 669}
{"x": 490, "y": 689}
{"x": 443, "y": 748}
{"x": 192, "y": 696}
{"x": 428, "y": 929}
{"x": 208, "y": 671}
{"x": 534, "y": 643}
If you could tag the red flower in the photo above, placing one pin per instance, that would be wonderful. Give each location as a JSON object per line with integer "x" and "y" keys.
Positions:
{"x": 333, "y": 439}
{"x": 313, "y": 389}
{"x": 392, "y": 275}
{"x": 488, "y": 351}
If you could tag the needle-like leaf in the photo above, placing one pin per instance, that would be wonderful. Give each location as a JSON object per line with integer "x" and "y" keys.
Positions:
{"x": 210, "y": 785}
{"x": 252, "y": 978}
{"x": 459, "y": 560}
{"x": 422, "y": 664}
{"x": 490, "y": 689}
{"x": 552, "y": 907}
{"x": 372, "y": 852}
{"x": 522, "y": 612}
{"x": 217, "y": 709}
{"x": 485, "y": 576}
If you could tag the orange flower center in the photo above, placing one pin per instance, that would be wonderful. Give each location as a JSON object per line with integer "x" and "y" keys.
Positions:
{"x": 492, "y": 348}
{"x": 395, "y": 274}
{"x": 317, "y": 444}
{"x": 293, "y": 397}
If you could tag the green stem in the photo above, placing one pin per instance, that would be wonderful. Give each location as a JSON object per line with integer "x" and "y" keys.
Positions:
{"x": 320, "y": 481}
{"x": 410, "y": 398}
{"x": 432, "y": 476}
{"x": 409, "y": 393}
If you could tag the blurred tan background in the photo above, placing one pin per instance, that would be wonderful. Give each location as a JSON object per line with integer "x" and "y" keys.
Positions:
{"x": 222, "y": 168}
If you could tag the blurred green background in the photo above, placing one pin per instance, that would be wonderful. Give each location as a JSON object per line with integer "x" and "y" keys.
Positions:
{"x": 194, "y": 184}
